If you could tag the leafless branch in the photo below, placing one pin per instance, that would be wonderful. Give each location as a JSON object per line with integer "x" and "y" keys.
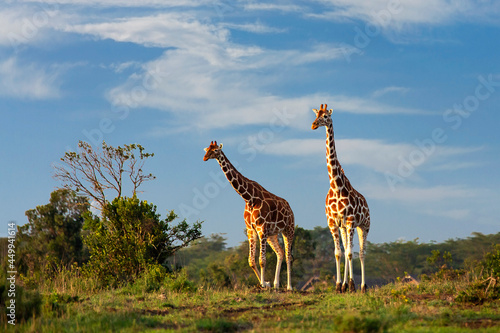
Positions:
{"x": 92, "y": 172}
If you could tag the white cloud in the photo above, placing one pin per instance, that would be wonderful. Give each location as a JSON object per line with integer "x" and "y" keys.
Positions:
{"x": 125, "y": 3}
{"x": 273, "y": 7}
{"x": 257, "y": 27}
{"x": 25, "y": 25}
{"x": 389, "y": 90}
{"x": 377, "y": 155}
{"x": 27, "y": 80}
{"x": 404, "y": 15}
{"x": 369, "y": 106}
{"x": 417, "y": 195}
{"x": 163, "y": 30}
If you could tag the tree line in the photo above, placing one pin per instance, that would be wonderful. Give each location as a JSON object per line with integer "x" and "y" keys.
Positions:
{"x": 209, "y": 261}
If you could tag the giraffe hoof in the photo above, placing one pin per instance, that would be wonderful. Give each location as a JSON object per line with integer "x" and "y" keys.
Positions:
{"x": 344, "y": 287}
{"x": 352, "y": 286}
{"x": 338, "y": 288}
{"x": 363, "y": 288}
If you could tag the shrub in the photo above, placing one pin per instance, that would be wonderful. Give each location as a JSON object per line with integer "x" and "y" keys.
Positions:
{"x": 131, "y": 237}
{"x": 179, "y": 282}
{"x": 27, "y": 303}
{"x": 51, "y": 239}
{"x": 486, "y": 286}
{"x": 215, "y": 276}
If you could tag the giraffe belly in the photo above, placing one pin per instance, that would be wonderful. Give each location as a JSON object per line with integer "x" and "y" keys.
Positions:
{"x": 339, "y": 212}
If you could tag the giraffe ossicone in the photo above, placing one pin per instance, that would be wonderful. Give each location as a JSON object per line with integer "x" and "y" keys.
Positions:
{"x": 346, "y": 209}
{"x": 266, "y": 216}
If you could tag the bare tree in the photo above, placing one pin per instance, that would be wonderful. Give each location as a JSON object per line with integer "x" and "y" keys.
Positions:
{"x": 91, "y": 172}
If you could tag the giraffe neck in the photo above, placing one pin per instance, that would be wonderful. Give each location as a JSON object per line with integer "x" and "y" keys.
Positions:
{"x": 334, "y": 169}
{"x": 240, "y": 183}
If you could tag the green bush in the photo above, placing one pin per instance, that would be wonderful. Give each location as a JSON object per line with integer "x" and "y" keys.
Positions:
{"x": 486, "y": 285}
{"x": 179, "y": 282}
{"x": 131, "y": 237}
{"x": 27, "y": 303}
{"x": 52, "y": 237}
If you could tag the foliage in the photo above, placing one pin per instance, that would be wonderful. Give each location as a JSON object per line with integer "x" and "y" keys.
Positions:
{"x": 130, "y": 237}
{"x": 215, "y": 276}
{"x": 27, "y": 303}
{"x": 92, "y": 172}
{"x": 303, "y": 250}
{"x": 491, "y": 263}
{"x": 485, "y": 286}
{"x": 52, "y": 239}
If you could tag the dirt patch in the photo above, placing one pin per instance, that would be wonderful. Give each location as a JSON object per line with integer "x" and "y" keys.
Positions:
{"x": 273, "y": 306}
{"x": 480, "y": 323}
{"x": 429, "y": 297}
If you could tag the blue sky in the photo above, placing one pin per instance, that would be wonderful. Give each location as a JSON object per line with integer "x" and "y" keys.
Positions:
{"x": 414, "y": 85}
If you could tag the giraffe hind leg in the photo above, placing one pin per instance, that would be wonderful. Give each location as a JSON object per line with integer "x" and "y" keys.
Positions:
{"x": 288, "y": 240}
{"x": 348, "y": 253}
{"x": 275, "y": 245}
{"x": 362, "y": 234}
{"x": 262, "y": 262}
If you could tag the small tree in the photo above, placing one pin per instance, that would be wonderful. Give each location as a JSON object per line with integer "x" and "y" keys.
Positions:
{"x": 92, "y": 173}
{"x": 130, "y": 237}
{"x": 52, "y": 235}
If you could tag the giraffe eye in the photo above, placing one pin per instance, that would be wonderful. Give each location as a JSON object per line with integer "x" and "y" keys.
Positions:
{"x": 324, "y": 116}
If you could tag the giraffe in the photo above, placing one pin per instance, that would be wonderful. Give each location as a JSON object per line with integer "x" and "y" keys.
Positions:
{"x": 346, "y": 209}
{"x": 266, "y": 216}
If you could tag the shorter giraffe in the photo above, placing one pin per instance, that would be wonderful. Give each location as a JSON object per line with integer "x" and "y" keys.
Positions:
{"x": 266, "y": 216}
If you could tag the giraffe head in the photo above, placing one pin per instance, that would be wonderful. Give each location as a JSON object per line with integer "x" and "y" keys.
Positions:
{"x": 213, "y": 151}
{"x": 323, "y": 117}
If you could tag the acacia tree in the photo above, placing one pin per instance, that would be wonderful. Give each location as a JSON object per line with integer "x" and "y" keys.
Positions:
{"x": 94, "y": 172}
{"x": 129, "y": 237}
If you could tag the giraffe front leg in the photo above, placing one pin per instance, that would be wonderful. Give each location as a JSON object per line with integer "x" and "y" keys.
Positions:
{"x": 262, "y": 262}
{"x": 346, "y": 260}
{"x": 252, "y": 247}
{"x": 338, "y": 253}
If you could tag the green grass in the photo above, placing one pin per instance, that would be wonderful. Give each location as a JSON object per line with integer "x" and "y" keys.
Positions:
{"x": 428, "y": 307}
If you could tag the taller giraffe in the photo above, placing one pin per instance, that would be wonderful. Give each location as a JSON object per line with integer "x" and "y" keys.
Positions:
{"x": 266, "y": 216}
{"x": 346, "y": 208}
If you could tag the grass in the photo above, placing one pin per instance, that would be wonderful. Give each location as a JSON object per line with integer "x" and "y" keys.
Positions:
{"x": 427, "y": 307}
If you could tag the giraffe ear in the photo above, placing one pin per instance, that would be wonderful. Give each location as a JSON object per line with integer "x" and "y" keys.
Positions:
{"x": 330, "y": 112}
{"x": 315, "y": 111}
{"x": 205, "y": 149}
{"x": 220, "y": 147}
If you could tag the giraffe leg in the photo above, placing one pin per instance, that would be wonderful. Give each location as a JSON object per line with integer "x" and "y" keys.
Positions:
{"x": 362, "y": 239}
{"x": 288, "y": 240}
{"x": 346, "y": 262}
{"x": 275, "y": 245}
{"x": 350, "y": 234}
{"x": 262, "y": 262}
{"x": 338, "y": 253}
{"x": 252, "y": 242}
